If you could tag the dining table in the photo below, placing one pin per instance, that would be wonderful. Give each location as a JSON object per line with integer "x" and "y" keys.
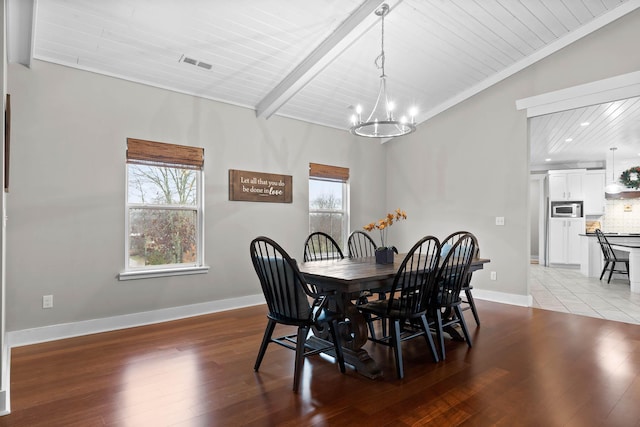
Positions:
{"x": 346, "y": 280}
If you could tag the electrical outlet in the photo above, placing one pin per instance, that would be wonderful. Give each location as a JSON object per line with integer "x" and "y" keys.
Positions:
{"x": 499, "y": 220}
{"x": 494, "y": 276}
{"x": 47, "y": 301}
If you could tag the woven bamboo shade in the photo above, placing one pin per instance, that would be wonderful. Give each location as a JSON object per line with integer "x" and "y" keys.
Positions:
{"x": 140, "y": 151}
{"x": 334, "y": 173}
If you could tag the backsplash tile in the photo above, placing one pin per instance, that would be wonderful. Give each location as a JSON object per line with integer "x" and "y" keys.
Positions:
{"x": 621, "y": 216}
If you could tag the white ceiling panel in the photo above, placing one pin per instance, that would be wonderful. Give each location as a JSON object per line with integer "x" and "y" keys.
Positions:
{"x": 437, "y": 52}
{"x": 586, "y": 134}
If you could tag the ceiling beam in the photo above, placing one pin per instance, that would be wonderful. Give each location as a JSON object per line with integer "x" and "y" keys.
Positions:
{"x": 20, "y": 19}
{"x": 356, "y": 25}
{"x": 598, "y": 92}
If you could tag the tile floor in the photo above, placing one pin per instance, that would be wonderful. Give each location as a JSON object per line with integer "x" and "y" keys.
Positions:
{"x": 567, "y": 290}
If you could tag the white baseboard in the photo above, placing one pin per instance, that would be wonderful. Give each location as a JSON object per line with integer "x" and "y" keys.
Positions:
{"x": 502, "y": 297}
{"x": 87, "y": 327}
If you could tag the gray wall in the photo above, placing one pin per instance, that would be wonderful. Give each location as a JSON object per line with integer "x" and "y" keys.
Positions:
{"x": 66, "y": 207}
{"x": 469, "y": 164}
{"x": 65, "y": 233}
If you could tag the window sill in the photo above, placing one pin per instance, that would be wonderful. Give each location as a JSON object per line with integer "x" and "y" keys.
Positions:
{"x": 148, "y": 274}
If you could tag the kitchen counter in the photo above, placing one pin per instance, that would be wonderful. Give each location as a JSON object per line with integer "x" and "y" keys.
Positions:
{"x": 612, "y": 234}
{"x": 591, "y": 258}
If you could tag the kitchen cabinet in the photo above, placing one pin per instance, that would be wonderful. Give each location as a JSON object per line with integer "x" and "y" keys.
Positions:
{"x": 566, "y": 184}
{"x": 564, "y": 240}
{"x": 593, "y": 187}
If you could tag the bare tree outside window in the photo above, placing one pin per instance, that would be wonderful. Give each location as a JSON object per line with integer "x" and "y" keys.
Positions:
{"x": 163, "y": 215}
{"x": 327, "y": 209}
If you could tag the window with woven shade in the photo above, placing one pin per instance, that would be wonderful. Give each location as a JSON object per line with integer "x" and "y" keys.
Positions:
{"x": 329, "y": 201}
{"x": 164, "y": 207}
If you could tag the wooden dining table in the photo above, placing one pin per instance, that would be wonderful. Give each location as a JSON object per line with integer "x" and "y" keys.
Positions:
{"x": 348, "y": 278}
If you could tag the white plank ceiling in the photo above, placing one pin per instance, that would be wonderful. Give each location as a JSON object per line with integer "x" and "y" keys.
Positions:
{"x": 586, "y": 134}
{"x": 314, "y": 60}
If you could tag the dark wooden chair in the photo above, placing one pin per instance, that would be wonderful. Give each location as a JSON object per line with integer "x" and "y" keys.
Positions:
{"x": 452, "y": 275}
{"x": 288, "y": 298}
{"x": 468, "y": 300}
{"x": 321, "y": 246}
{"x": 611, "y": 257}
{"x": 360, "y": 245}
{"x": 413, "y": 287}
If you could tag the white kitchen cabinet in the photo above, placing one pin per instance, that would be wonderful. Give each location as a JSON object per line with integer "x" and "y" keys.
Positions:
{"x": 593, "y": 186}
{"x": 566, "y": 184}
{"x": 564, "y": 240}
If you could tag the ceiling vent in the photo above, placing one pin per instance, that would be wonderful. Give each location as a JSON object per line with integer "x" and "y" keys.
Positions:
{"x": 195, "y": 62}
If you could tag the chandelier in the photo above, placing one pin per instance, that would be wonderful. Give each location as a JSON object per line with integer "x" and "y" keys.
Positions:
{"x": 381, "y": 123}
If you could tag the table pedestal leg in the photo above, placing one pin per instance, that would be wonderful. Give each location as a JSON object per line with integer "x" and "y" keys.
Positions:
{"x": 359, "y": 359}
{"x": 353, "y": 333}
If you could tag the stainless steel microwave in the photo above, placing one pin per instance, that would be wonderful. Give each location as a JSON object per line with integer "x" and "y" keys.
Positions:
{"x": 566, "y": 209}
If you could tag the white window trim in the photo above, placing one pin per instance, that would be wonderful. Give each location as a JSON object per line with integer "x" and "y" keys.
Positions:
{"x": 164, "y": 272}
{"x": 170, "y": 270}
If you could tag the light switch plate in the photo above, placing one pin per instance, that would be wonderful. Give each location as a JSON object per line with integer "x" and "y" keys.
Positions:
{"x": 47, "y": 301}
{"x": 499, "y": 220}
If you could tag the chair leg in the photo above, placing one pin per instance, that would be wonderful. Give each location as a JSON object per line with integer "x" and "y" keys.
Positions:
{"x": 606, "y": 264}
{"x": 440, "y": 332}
{"x": 337, "y": 343}
{"x": 429, "y": 338}
{"x": 463, "y": 324}
{"x": 372, "y": 331}
{"x": 266, "y": 339}
{"x": 384, "y": 327}
{"x": 613, "y": 264}
{"x": 303, "y": 331}
{"x": 397, "y": 347}
{"x": 362, "y": 299}
{"x": 626, "y": 264}
{"x": 472, "y": 304}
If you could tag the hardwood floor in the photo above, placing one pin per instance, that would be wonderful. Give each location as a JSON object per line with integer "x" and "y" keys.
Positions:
{"x": 527, "y": 367}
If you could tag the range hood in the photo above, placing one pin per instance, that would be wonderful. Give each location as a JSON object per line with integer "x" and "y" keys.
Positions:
{"x": 631, "y": 194}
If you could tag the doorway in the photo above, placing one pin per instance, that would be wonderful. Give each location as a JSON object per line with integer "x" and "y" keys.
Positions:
{"x": 564, "y": 289}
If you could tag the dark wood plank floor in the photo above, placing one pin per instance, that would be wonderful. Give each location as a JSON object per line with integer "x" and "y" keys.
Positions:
{"x": 528, "y": 367}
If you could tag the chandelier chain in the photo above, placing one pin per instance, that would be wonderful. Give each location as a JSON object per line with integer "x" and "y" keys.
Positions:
{"x": 379, "y": 61}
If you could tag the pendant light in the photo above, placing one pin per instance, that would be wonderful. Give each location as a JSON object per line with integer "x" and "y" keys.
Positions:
{"x": 613, "y": 187}
{"x": 381, "y": 123}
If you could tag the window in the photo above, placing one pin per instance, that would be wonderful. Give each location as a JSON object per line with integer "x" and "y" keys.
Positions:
{"x": 329, "y": 201}
{"x": 164, "y": 206}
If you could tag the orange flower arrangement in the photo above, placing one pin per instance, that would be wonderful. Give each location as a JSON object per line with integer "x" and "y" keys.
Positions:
{"x": 384, "y": 223}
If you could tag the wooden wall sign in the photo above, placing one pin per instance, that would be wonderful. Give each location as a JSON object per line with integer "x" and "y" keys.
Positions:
{"x": 260, "y": 187}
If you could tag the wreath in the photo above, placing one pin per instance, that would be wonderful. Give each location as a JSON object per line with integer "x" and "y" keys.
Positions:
{"x": 631, "y": 177}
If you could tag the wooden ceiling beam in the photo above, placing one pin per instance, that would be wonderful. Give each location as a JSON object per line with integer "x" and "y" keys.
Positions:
{"x": 357, "y": 24}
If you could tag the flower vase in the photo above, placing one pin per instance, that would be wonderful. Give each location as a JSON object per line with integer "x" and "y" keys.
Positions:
{"x": 384, "y": 256}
